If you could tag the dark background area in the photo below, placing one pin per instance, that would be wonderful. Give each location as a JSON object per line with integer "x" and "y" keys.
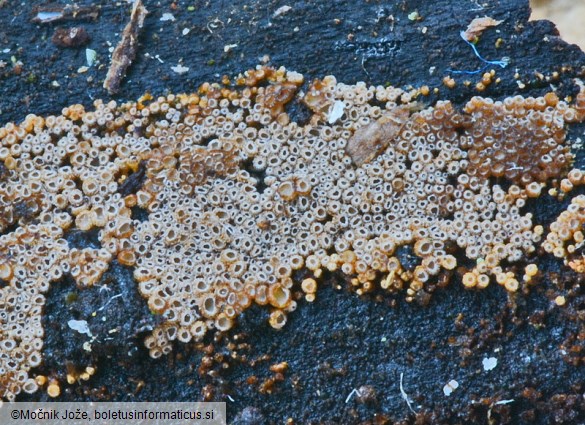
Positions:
{"x": 341, "y": 342}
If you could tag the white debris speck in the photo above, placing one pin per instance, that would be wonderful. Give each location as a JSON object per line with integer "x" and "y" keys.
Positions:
{"x": 186, "y": 31}
{"x": 404, "y": 395}
{"x": 90, "y": 56}
{"x": 167, "y": 17}
{"x": 48, "y": 16}
{"x": 157, "y": 57}
{"x": 489, "y": 363}
{"x": 281, "y": 11}
{"x": 336, "y": 111}
{"x": 180, "y": 69}
{"x": 87, "y": 346}
{"x": 229, "y": 47}
{"x": 82, "y": 69}
{"x": 505, "y": 401}
{"x": 6, "y": 51}
{"x": 55, "y": 83}
{"x": 79, "y": 326}
{"x": 451, "y": 386}
{"x": 351, "y": 394}
{"x": 296, "y": 29}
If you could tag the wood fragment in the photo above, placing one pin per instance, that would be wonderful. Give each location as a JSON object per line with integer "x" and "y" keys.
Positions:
{"x": 125, "y": 51}
{"x": 476, "y": 27}
{"x": 57, "y": 13}
{"x": 70, "y": 37}
{"x": 369, "y": 141}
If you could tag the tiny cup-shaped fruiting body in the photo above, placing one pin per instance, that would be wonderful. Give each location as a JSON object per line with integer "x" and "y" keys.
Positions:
{"x": 30, "y": 386}
{"x": 423, "y": 247}
{"x": 287, "y": 191}
{"x": 279, "y": 297}
{"x": 124, "y": 229}
{"x": 511, "y": 284}
{"x": 575, "y": 176}
{"x": 198, "y": 329}
{"x": 312, "y": 262}
{"x": 448, "y": 262}
{"x": 277, "y": 319}
{"x": 54, "y": 390}
{"x": 302, "y": 187}
{"x": 41, "y": 380}
{"x": 529, "y": 272}
{"x": 127, "y": 258}
{"x": 297, "y": 262}
{"x": 6, "y": 271}
{"x": 209, "y": 307}
{"x": 85, "y": 220}
{"x": 156, "y": 304}
{"x": 469, "y": 280}
{"x": 483, "y": 281}
{"x": 533, "y": 190}
{"x": 309, "y": 286}
{"x": 229, "y": 256}
{"x": 566, "y": 185}
{"x": 223, "y": 323}
{"x": 261, "y": 296}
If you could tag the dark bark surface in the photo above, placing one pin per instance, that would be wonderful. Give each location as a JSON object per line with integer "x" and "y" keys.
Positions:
{"x": 341, "y": 342}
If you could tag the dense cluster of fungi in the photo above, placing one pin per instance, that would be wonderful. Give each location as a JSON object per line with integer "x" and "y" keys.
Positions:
{"x": 238, "y": 197}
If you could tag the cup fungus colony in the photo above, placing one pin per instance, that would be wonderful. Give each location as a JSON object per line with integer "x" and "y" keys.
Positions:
{"x": 238, "y": 197}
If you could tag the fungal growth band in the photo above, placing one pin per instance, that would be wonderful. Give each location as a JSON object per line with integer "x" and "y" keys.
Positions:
{"x": 238, "y": 197}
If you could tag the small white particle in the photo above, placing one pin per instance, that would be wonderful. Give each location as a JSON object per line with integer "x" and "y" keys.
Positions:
{"x": 55, "y": 83}
{"x": 90, "y": 56}
{"x": 281, "y": 11}
{"x": 186, "y": 31}
{"x": 404, "y": 395}
{"x": 180, "y": 69}
{"x": 489, "y": 363}
{"x": 167, "y": 17}
{"x": 229, "y": 47}
{"x": 6, "y": 51}
{"x": 82, "y": 69}
{"x": 351, "y": 394}
{"x": 335, "y": 113}
{"x": 451, "y": 386}
{"x": 80, "y": 326}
